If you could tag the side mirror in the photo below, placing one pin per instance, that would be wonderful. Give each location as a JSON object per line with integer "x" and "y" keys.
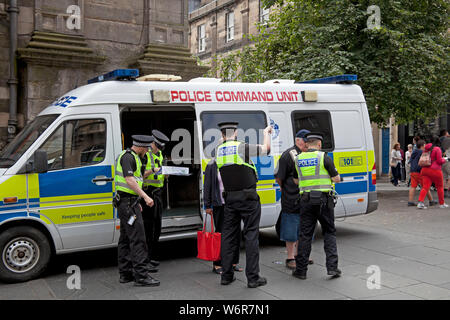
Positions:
{"x": 40, "y": 164}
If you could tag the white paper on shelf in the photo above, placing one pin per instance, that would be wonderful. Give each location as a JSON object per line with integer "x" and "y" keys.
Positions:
{"x": 175, "y": 171}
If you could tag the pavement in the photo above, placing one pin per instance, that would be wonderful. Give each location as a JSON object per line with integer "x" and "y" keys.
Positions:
{"x": 409, "y": 247}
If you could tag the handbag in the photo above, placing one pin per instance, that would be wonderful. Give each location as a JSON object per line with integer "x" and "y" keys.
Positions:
{"x": 393, "y": 163}
{"x": 425, "y": 159}
{"x": 208, "y": 243}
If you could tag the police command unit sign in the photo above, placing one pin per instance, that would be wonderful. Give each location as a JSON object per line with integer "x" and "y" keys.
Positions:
{"x": 307, "y": 162}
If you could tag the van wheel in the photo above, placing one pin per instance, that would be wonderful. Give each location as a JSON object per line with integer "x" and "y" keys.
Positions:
{"x": 25, "y": 253}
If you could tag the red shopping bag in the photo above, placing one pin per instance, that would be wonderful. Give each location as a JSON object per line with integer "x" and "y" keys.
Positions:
{"x": 208, "y": 243}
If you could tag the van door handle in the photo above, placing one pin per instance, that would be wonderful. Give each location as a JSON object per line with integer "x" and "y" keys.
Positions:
{"x": 102, "y": 180}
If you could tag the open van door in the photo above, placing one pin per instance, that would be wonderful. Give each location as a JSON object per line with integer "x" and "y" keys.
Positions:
{"x": 252, "y": 119}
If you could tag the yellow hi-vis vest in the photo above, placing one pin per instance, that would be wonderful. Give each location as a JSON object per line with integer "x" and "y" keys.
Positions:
{"x": 119, "y": 179}
{"x": 154, "y": 180}
{"x": 311, "y": 171}
{"x": 228, "y": 154}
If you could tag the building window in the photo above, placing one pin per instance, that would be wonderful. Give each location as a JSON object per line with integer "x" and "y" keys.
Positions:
{"x": 201, "y": 32}
{"x": 229, "y": 18}
{"x": 263, "y": 14}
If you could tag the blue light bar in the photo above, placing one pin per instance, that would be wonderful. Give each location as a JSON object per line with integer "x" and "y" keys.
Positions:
{"x": 344, "y": 78}
{"x": 118, "y": 74}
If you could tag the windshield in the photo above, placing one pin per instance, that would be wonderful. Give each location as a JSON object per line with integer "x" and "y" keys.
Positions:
{"x": 17, "y": 147}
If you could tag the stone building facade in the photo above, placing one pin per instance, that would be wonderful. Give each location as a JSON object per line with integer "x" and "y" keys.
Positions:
{"x": 63, "y": 43}
{"x": 218, "y": 27}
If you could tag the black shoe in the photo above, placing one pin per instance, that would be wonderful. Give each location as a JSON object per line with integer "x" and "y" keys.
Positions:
{"x": 155, "y": 263}
{"x": 151, "y": 268}
{"x": 261, "y": 281}
{"x": 300, "y": 275}
{"x": 334, "y": 273}
{"x": 126, "y": 278}
{"x": 411, "y": 204}
{"x": 227, "y": 282}
{"x": 433, "y": 203}
{"x": 146, "y": 282}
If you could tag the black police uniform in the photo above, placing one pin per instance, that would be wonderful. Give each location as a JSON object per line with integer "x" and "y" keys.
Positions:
{"x": 241, "y": 203}
{"x": 153, "y": 215}
{"x": 132, "y": 247}
{"x": 310, "y": 214}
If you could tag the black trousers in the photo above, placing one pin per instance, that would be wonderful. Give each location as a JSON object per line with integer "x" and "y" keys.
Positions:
{"x": 241, "y": 205}
{"x": 132, "y": 247}
{"x": 218, "y": 213}
{"x": 309, "y": 216}
{"x": 153, "y": 221}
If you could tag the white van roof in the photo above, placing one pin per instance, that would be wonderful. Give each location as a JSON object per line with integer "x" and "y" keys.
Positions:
{"x": 141, "y": 92}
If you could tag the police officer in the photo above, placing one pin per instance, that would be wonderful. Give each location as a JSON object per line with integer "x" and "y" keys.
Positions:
{"x": 239, "y": 179}
{"x": 132, "y": 248}
{"x": 153, "y": 187}
{"x": 315, "y": 175}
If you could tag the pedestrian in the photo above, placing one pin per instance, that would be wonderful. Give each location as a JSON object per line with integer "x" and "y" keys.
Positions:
{"x": 290, "y": 204}
{"x": 446, "y": 166}
{"x": 416, "y": 177}
{"x": 433, "y": 174}
{"x": 239, "y": 177}
{"x": 214, "y": 206}
{"x": 408, "y": 164}
{"x": 396, "y": 160}
{"x": 415, "y": 140}
{"x": 315, "y": 176}
{"x": 132, "y": 247}
{"x": 153, "y": 187}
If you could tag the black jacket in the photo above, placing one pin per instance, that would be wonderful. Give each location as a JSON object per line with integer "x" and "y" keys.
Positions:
{"x": 211, "y": 189}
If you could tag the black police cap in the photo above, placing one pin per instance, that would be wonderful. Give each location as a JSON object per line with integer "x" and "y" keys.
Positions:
{"x": 142, "y": 140}
{"x": 228, "y": 125}
{"x": 314, "y": 136}
{"x": 159, "y": 138}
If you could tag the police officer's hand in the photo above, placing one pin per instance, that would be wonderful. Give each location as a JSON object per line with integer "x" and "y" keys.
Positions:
{"x": 148, "y": 201}
{"x": 209, "y": 211}
{"x": 268, "y": 129}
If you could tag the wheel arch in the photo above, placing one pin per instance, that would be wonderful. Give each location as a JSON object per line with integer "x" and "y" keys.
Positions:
{"x": 30, "y": 222}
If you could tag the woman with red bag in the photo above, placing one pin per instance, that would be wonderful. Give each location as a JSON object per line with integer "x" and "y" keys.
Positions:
{"x": 433, "y": 174}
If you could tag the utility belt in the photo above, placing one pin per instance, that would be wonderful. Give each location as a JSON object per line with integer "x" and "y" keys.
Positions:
{"x": 152, "y": 191}
{"x": 247, "y": 194}
{"x": 123, "y": 197}
{"x": 321, "y": 198}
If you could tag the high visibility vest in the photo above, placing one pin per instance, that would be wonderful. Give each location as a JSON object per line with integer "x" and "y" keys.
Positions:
{"x": 228, "y": 154}
{"x": 154, "y": 180}
{"x": 119, "y": 179}
{"x": 311, "y": 171}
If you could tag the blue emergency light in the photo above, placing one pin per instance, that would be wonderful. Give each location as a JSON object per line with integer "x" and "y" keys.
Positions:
{"x": 118, "y": 74}
{"x": 342, "y": 79}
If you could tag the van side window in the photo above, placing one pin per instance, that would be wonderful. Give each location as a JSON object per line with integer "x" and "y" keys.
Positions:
{"x": 76, "y": 143}
{"x": 315, "y": 121}
{"x": 250, "y": 128}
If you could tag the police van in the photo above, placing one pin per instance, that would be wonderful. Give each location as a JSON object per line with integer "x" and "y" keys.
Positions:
{"x": 56, "y": 176}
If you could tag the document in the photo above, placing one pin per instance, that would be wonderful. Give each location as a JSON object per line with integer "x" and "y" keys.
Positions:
{"x": 175, "y": 171}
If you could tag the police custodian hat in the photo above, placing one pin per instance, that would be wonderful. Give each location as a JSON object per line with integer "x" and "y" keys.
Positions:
{"x": 159, "y": 138}
{"x": 228, "y": 125}
{"x": 314, "y": 136}
{"x": 142, "y": 140}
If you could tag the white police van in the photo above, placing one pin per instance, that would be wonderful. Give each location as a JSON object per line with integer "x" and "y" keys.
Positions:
{"x": 56, "y": 176}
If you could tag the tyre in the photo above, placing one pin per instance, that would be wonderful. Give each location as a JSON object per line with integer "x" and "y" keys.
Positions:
{"x": 25, "y": 253}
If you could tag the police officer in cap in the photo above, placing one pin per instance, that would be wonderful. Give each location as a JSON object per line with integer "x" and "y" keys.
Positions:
{"x": 239, "y": 177}
{"x": 153, "y": 187}
{"x": 315, "y": 176}
{"x": 132, "y": 247}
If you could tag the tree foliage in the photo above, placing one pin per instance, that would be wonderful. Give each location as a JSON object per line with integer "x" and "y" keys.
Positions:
{"x": 402, "y": 65}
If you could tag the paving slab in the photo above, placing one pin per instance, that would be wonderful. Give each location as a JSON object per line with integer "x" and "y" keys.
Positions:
{"x": 426, "y": 291}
